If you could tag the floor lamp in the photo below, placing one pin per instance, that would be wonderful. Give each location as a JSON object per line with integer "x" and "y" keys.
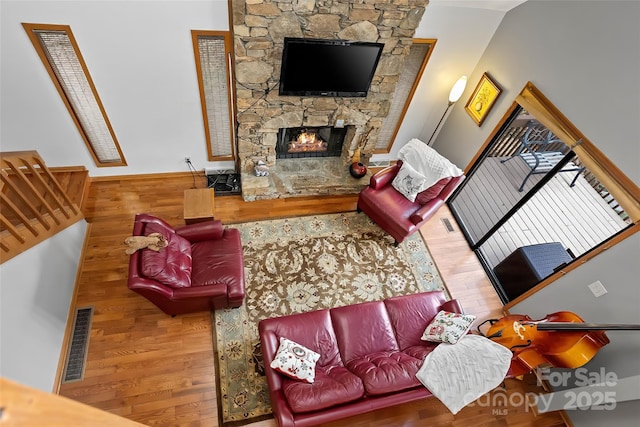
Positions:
{"x": 454, "y": 96}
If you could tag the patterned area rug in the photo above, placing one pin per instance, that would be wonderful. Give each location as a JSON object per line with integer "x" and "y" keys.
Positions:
{"x": 301, "y": 264}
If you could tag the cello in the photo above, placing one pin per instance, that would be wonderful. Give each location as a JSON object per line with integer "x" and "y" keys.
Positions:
{"x": 559, "y": 340}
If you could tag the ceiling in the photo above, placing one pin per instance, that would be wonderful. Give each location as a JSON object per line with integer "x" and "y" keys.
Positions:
{"x": 501, "y": 5}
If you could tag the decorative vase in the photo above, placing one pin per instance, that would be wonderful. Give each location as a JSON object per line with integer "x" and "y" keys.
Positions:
{"x": 357, "y": 170}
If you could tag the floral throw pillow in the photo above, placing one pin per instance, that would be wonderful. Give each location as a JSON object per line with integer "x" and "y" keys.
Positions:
{"x": 448, "y": 327}
{"x": 409, "y": 182}
{"x": 295, "y": 361}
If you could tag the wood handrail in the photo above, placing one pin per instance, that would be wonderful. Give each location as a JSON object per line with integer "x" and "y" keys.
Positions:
{"x": 34, "y": 206}
{"x": 26, "y": 406}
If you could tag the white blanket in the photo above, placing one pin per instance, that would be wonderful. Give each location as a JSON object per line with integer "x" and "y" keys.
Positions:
{"x": 428, "y": 162}
{"x": 460, "y": 373}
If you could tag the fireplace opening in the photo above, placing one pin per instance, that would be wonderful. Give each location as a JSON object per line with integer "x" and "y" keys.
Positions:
{"x": 298, "y": 142}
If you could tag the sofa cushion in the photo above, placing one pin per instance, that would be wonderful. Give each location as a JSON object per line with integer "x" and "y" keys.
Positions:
{"x": 363, "y": 329}
{"x": 369, "y": 349}
{"x": 432, "y": 192}
{"x": 218, "y": 262}
{"x": 420, "y": 351}
{"x": 333, "y": 386}
{"x": 171, "y": 266}
{"x": 312, "y": 329}
{"x": 409, "y": 314}
{"x": 448, "y": 327}
{"x": 386, "y": 372}
{"x": 295, "y": 361}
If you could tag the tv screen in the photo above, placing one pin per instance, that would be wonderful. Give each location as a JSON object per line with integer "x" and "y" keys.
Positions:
{"x": 313, "y": 67}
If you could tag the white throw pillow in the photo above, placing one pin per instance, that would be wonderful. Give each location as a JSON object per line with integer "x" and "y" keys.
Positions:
{"x": 295, "y": 361}
{"x": 409, "y": 182}
{"x": 448, "y": 327}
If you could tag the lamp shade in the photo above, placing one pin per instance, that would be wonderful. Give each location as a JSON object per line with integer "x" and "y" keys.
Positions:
{"x": 457, "y": 89}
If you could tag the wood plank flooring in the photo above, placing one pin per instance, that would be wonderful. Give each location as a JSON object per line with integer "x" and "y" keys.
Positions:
{"x": 159, "y": 370}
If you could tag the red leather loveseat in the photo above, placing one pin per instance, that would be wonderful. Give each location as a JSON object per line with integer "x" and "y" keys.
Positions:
{"x": 201, "y": 269}
{"x": 369, "y": 355}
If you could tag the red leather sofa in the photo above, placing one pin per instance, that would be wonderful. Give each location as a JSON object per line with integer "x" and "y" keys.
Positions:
{"x": 392, "y": 211}
{"x": 201, "y": 269}
{"x": 369, "y": 355}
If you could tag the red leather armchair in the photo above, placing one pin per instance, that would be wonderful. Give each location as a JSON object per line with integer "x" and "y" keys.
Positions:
{"x": 201, "y": 269}
{"x": 392, "y": 211}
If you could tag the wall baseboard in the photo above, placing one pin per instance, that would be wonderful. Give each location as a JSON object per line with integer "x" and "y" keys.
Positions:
{"x": 143, "y": 176}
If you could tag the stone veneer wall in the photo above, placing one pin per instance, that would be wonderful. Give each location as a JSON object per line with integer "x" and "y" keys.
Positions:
{"x": 259, "y": 28}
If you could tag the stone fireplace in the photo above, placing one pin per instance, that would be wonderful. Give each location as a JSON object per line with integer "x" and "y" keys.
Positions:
{"x": 259, "y": 28}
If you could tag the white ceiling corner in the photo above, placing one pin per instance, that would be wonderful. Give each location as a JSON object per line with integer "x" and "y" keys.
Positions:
{"x": 499, "y": 5}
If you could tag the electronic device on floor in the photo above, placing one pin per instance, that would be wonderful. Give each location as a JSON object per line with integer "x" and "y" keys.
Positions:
{"x": 224, "y": 183}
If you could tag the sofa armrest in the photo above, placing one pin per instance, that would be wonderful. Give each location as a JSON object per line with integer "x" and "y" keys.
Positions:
{"x": 149, "y": 287}
{"x": 384, "y": 176}
{"x": 198, "y": 232}
{"x": 269, "y": 342}
{"x": 450, "y": 187}
{"x": 452, "y": 306}
{"x": 426, "y": 211}
{"x": 218, "y": 290}
{"x": 281, "y": 410}
{"x": 235, "y": 280}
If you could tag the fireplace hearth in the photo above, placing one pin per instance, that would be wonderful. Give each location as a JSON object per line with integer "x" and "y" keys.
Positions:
{"x": 302, "y": 142}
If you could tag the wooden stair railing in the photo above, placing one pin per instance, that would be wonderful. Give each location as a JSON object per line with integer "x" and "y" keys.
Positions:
{"x": 24, "y": 406}
{"x": 33, "y": 204}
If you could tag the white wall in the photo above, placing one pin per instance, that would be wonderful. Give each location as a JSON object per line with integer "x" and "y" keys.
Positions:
{"x": 140, "y": 56}
{"x": 588, "y": 68}
{"x": 585, "y": 57}
{"x": 618, "y": 271}
{"x": 35, "y": 295}
{"x": 456, "y": 53}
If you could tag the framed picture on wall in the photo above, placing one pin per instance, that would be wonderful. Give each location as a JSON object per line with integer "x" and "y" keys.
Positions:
{"x": 482, "y": 99}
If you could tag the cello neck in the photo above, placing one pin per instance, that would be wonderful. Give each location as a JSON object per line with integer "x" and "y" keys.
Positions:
{"x": 573, "y": 326}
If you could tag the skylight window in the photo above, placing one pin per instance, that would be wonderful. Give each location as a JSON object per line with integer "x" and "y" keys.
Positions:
{"x": 61, "y": 56}
{"x": 212, "y": 53}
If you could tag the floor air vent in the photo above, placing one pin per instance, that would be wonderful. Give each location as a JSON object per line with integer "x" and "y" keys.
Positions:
{"x": 77, "y": 357}
{"x": 447, "y": 225}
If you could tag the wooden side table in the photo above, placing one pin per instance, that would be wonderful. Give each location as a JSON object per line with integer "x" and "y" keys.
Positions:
{"x": 199, "y": 205}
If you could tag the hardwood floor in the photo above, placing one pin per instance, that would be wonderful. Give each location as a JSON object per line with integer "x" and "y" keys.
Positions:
{"x": 159, "y": 370}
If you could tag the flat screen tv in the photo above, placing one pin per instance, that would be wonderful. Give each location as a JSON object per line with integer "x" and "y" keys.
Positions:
{"x": 338, "y": 68}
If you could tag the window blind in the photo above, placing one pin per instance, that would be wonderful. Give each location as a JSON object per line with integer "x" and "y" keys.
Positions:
{"x": 65, "y": 64}
{"x": 214, "y": 81}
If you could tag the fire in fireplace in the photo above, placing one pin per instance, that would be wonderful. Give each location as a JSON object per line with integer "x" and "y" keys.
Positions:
{"x": 323, "y": 141}
{"x": 307, "y": 141}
